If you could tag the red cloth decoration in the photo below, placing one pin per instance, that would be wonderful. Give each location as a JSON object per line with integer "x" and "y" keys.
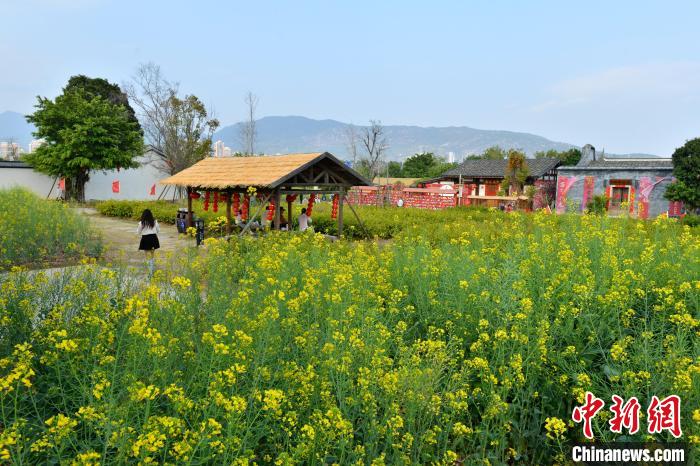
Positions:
{"x": 215, "y": 207}
{"x": 334, "y": 207}
{"x": 206, "y": 200}
{"x": 310, "y": 206}
{"x": 62, "y": 184}
{"x": 115, "y": 186}
{"x": 153, "y": 190}
{"x": 236, "y": 202}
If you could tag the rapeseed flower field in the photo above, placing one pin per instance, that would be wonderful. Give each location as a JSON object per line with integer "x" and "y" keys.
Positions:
{"x": 463, "y": 343}
{"x": 33, "y": 231}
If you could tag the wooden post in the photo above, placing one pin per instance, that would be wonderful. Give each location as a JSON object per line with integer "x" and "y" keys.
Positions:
{"x": 340, "y": 195}
{"x": 228, "y": 212}
{"x": 289, "y": 215}
{"x": 277, "y": 209}
{"x": 189, "y": 208}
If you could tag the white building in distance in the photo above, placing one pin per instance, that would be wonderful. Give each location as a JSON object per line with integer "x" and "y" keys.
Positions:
{"x": 35, "y": 144}
{"x": 221, "y": 150}
{"x": 9, "y": 150}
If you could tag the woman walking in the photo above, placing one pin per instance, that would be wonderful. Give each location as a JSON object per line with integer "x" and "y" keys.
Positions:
{"x": 148, "y": 229}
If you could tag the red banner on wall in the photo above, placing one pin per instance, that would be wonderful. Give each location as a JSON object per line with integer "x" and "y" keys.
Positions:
{"x": 588, "y": 187}
{"x": 115, "y": 186}
{"x": 564, "y": 183}
{"x": 675, "y": 208}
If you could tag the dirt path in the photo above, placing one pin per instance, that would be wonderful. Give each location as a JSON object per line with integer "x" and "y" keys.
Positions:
{"x": 121, "y": 240}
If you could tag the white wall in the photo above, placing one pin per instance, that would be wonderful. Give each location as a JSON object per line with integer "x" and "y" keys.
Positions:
{"x": 134, "y": 183}
{"x": 27, "y": 178}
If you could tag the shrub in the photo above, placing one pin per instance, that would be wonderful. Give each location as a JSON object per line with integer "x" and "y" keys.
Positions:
{"x": 35, "y": 230}
{"x": 598, "y": 205}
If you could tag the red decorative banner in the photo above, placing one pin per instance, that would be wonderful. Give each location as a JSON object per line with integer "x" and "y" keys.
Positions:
{"x": 675, "y": 208}
{"x": 115, "y": 186}
{"x": 152, "y": 192}
{"x": 62, "y": 184}
{"x": 563, "y": 185}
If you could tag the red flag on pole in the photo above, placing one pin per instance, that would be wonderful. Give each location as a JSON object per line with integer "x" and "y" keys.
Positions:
{"x": 153, "y": 190}
{"x": 115, "y": 186}
{"x": 62, "y": 184}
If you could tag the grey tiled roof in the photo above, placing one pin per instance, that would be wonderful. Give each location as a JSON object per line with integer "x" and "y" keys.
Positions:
{"x": 496, "y": 168}
{"x": 630, "y": 163}
{"x": 13, "y": 164}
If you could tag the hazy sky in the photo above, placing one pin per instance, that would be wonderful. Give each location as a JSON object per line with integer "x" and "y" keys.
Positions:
{"x": 622, "y": 75}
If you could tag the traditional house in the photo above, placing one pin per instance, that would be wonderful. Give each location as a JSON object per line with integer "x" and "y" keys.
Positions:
{"x": 636, "y": 185}
{"x": 480, "y": 181}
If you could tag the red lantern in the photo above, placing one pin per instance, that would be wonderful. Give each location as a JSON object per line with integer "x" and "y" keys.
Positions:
{"x": 215, "y": 207}
{"x": 270, "y": 211}
{"x": 206, "y": 200}
{"x": 310, "y": 206}
{"x": 291, "y": 197}
{"x": 195, "y": 195}
{"x": 334, "y": 207}
{"x": 236, "y": 202}
{"x": 246, "y": 207}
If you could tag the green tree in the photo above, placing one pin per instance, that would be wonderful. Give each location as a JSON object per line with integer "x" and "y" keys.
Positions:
{"x": 83, "y": 132}
{"x": 686, "y": 169}
{"x": 517, "y": 171}
{"x": 568, "y": 157}
{"x": 395, "y": 170}
{"x": 494, "y": 153}
{"x": 101, "y": 87}
{"x": 419, "y": 165}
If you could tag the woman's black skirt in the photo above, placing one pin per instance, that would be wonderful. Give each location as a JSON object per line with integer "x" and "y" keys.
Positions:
{"x": 149, "y": 242}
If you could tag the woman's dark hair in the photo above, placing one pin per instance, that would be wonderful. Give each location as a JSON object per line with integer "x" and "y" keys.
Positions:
{"x": 303, "y": 210}
{"x": 147, "y": 219}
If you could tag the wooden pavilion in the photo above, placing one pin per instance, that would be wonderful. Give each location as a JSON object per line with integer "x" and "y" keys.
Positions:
{"x": 272, "y": 177}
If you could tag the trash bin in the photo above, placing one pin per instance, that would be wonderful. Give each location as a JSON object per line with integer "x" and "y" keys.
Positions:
{"x": 199, "y": 226}
{"x": 181, "y": 220}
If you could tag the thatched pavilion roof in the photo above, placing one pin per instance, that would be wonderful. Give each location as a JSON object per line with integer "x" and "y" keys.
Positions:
{"x": 259, "y": 171}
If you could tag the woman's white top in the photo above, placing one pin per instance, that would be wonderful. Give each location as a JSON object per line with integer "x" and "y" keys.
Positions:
{"x": 148, "y": 230}
{"x": 304, "y": 222}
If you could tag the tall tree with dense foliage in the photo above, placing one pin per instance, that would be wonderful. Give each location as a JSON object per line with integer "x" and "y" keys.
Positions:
{"x": 686, "y": 169}
{"x": 102, "y": 88}
{"x": 517, "y": 170}
{"x": 83, "y": 132}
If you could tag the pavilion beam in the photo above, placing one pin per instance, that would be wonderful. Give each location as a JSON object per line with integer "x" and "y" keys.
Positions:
{"x": 250, "y": 219}
{"x": 359, "y": 220}
{"x": 277, "y": 209}
{"x": 189, "y": 207}
{"x": 228, "y": 213}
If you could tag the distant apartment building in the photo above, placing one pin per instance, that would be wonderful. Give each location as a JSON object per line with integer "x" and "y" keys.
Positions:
{"x": 9, "y": 150}
{"x": 35, "y": 144}
{"x": 221, "y": 150}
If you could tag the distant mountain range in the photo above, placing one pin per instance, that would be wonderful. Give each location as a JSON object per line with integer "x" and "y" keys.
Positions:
{"x": 287, "y": 134}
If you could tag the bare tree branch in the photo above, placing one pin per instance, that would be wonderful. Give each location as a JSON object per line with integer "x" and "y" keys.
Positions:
{"x": 249, "y": 132}
{"x": 375, "y": 145}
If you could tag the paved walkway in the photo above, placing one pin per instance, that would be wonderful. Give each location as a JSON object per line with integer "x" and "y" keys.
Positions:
{"x": 121, "y": 240}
